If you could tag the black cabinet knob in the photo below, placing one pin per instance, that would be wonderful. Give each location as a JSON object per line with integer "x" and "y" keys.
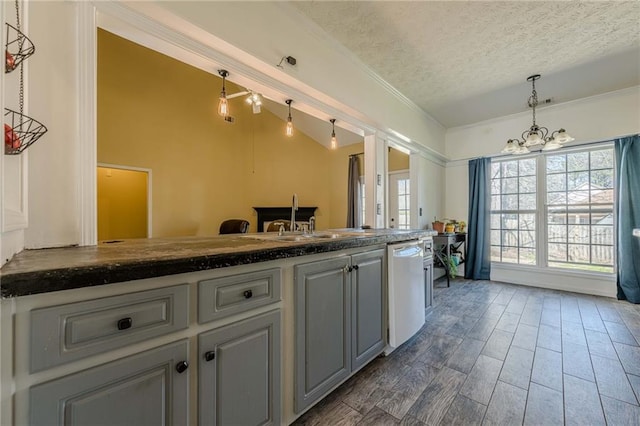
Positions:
{"x": 209, "y": 356}
{"x": 125, "y": 323}
{"x": 182, "y": 366}
{"x": 355, "y": 267}
{"x": 248, "y": 294}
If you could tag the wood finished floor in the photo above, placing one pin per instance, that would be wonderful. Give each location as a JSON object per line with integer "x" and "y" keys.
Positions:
{"x": 501, "y": 354}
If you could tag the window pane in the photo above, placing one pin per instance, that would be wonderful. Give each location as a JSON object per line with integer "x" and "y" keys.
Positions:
{"x": 510, "y": 185}
{"x": 510, "y": 238}
{"x": 528, "y": 167}
{"x": 509, "y": 221}
{"x": 510, "y": 202}
{"x": 578, "y": 180}
{"x": 527, "y": 256}
{"x": 495, "y": 202}
{"x": 510, "y": 169}
{"x": 557, "y": 218}
{"x": 527, "y": 184}
{"x": 557, "y": 233}
{"x": 578, "y": 253}
{"x": 556, "y": 163}
{"x": 602, "y": 234}
{"x": 602, "y": 179}
{"x": 495, "y": 186}
{"x": 578, "y": 161}
{"x": 558, "y": 252}
{"x": 527, "y": 239}
{"x": 495, "y": 236}
{"x": 602, "y": 196}
{"x": 578, "y": 197}
{"x": 602, "y": 255}
{"x": 495, "y": 221}
{"x": 495, "y": 253}
{"x": 579, "y": 234}
{"x": 557, "y": 198}
{"x": 510, "y": 254}
{"x": 602, "y": 159}
{"x": 495, "y": 170}
{"x": 556, "y": 182}
{"x": 528, "y": 202}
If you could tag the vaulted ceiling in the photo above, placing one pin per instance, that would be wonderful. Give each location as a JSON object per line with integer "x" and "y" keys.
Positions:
{"x": 464, "y": 62}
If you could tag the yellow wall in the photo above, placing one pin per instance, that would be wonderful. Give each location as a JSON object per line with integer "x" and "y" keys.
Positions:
{"x": 122, "y": 204}
{"x": 398, "y": 160}
{"x": 158, "y": 113}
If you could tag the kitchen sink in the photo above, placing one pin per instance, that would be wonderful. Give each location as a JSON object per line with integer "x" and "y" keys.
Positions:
{"x": 272, "y": 236}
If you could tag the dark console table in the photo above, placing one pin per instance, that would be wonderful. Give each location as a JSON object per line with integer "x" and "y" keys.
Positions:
{"x": 444, "y": 245}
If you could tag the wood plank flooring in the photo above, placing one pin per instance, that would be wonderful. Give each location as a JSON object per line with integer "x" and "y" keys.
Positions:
{"x": 495, "y": 353}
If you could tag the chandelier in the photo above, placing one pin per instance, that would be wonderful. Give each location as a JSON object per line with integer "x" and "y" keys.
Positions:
{"x": 536, "y": 135}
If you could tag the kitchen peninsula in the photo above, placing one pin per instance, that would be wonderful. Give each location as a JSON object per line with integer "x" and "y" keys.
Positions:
{"x": 244, "y": 329}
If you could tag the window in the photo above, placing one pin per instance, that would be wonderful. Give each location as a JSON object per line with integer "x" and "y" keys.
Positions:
{"x": 570, "y": 195}
{"x": 403, "y": 203}
{"x": 580, "y": 210}
{"x": 513, "y": 211}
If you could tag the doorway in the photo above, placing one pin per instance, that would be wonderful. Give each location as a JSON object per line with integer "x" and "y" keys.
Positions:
{"x": 123, "y": 202}
{"x": 399, "y": 200}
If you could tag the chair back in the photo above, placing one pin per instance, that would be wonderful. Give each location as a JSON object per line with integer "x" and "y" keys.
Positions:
{"x": 234, "y": 226}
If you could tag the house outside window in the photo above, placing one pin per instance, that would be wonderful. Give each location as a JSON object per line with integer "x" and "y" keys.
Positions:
{"x": 554, "y": 210}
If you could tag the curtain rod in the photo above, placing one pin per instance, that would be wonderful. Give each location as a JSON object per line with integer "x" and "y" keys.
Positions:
{"x": 356, "y": 154}
{"x": 577, "y": 145}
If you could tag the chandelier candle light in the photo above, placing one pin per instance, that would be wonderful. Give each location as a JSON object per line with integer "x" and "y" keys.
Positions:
{"x": 536, "y": 135}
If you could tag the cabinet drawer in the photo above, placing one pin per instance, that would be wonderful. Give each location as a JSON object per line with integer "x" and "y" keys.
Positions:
{"x": 220, "y": 297}
{"x": 64, "y": 333}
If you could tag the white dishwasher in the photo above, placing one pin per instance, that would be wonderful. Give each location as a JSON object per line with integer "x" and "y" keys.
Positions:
{"x": 406, "y": 292}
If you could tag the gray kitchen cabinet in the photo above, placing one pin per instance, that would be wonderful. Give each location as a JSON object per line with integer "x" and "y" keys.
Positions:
{"x": 368, "y": 300}
{"x": 339, "y": 321}
{"x": 239, "y": 373}
{"x": 149, "y": 388}
{"x": 428, "y": 286}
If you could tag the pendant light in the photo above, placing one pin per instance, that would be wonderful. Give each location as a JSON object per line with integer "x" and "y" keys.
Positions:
{"x": 536, "y": 135}
{"x": 334, "y": 141}
{"x": 289, "y": 129}
{"x": 223, "y": 106}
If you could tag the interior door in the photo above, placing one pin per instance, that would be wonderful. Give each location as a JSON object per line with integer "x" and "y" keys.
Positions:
{"x": 123, "y": 207}
{"x": 399, "y": 190}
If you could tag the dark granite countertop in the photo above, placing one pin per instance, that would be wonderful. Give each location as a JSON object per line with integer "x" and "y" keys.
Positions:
{"x": 46, "y": 270}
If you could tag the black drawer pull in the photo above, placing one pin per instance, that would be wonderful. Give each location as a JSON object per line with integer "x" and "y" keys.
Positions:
{"x": 209, "y": 356}
{"x": 355, "y": 267}
{"x": 125, "y": 323}
{"x": 248, "y": 294}
{"x": 182, "y": 366}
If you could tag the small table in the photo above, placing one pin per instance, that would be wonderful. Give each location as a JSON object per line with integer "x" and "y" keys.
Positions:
{"x": 446, "y": 244}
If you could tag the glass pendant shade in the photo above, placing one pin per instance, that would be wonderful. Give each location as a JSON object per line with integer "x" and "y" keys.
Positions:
{"x": 521, "y": 150}
{"x": 223, "y": 106}
{"x": 563, "y": 137}
{"x": 510, "y": 147}
{"x": 334, "y": 142}
{"x": 533, "y": 138}
{"x": 289, "y": 129}
{"x": 551, "y": 145}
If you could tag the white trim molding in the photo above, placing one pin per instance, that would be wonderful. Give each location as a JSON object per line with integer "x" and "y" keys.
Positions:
{"x": 87, "y": 51}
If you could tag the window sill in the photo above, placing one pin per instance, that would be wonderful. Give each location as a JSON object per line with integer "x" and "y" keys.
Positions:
{"x": 555, "y": 271}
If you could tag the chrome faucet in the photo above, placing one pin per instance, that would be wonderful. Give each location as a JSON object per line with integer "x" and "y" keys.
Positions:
{"x": 294, "y": 207}
{"x": 280, "y": 229}
{"x": 312, "y": 224}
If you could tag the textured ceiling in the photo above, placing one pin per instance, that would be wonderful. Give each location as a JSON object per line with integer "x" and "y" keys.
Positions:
{"x": 464, "y": 62}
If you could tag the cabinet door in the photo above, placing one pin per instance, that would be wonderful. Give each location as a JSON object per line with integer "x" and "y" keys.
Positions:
{"x": 239, "y": 373}
{"x": 368, "y": 305}
{"x": 144, "y": 389}
{"x": 428, "y": 287}
{"x": 322, "y": 328}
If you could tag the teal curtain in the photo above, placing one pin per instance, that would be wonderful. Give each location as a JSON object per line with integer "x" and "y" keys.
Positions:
{"x": 478, "y": 262}
{"x": 628, "y": 217}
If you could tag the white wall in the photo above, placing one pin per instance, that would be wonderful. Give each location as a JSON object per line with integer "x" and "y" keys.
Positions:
{"x": 323, "y": 70}
{"x": 53, "y": 218}
{"x": 597, "y": 118}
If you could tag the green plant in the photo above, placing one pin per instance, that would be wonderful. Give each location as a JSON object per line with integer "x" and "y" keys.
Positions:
{"x": 452, "y": 266}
